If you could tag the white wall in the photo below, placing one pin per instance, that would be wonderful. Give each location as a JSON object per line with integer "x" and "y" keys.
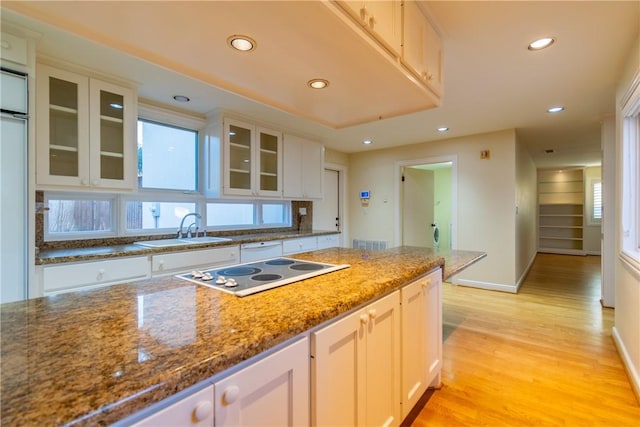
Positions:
{"x": 627, "y": 293}
{"x": 608, "y": 260}
{"x": 527, "y": 208}
{"x": 486, "y": 200}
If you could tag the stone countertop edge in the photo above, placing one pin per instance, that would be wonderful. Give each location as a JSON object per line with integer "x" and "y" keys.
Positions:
{"x": 61, "y": 256}
{"x": 85, "y": 358}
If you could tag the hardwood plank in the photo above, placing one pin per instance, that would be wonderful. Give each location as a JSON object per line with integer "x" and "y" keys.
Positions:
{"x": 542, "y": 357}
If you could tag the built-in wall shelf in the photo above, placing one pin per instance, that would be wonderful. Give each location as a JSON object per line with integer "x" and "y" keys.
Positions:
{"x": 561, "y": 211}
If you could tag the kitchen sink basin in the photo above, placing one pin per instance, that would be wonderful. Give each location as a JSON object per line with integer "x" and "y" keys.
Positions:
{"x": 163, "y": 243}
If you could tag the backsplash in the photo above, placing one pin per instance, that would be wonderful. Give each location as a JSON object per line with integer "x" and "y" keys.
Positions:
{"x": 299, "y": 223}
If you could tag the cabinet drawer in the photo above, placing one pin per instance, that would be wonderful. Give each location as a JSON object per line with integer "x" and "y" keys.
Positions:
{"x": 304, "y": 244}
{"x": 194, "y": 410}
{"x": 14, "y": 49}
{"x": 329, "y": 241}
{"x": 71, "y": 276}
{"x": 169, "y": 263}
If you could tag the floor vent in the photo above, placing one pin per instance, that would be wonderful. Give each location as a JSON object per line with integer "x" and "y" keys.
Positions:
{"x": 371, "y": 245}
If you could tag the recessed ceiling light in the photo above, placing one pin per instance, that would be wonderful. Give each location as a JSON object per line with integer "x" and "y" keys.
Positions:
{"x": 367, "y": 142}
{"x": 442, "y": 129}
{"x": 242, "y": 43}
{"x": 556, "y": 109}
{"x": 541, "y": 43}
{"x": 318, "y": 83}
{"x": 181, "y": 98}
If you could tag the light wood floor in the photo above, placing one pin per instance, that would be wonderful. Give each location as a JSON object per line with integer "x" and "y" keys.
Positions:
{"x": 542, "y": 357}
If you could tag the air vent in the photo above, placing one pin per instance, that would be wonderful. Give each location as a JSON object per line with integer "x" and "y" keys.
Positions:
{"x": 371, "y": 245}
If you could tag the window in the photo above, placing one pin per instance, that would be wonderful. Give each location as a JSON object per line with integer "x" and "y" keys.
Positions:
{"x": 248, "y": 214}
{"x": 79, "y": 216}
{"x": 596, "y": 201}
{"x": 630, "y": 191}
{"x": 156, "y": 217}
{"x": 167, "y": 157}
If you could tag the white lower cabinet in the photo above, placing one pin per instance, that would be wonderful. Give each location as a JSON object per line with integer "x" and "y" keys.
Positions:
{"x": 421, "y": 338}
{"x": 92, "y": 274}
{"x": 302, "y": 244}
{"x": 273, "y": 391}
{"x": 193, "y": 410}
{"x": 356, "y": 368}
{"x": 328, "y": 241}
{"x": 181, "y": 261}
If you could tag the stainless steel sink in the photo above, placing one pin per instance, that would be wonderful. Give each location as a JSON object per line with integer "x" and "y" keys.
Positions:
{"x": 163, "y": 243}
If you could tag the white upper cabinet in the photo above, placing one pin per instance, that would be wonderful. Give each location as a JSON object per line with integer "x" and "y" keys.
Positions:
{"x": 383, "y": 19}
{"x": 303, "y": 168}
{"x": 85, "y": 132}
{"x": 14, "y": 49}
{"x": 421, "y": 47}
{"x": 251, "y": 160}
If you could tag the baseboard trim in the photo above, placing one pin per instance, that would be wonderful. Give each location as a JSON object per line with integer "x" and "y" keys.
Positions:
{"x": 632, "y": 373}
{"x": 525, "y": 272}
{"x": 486, "y": 285}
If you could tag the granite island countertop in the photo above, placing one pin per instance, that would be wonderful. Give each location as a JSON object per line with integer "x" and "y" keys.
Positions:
{"x": 94, "y": 357}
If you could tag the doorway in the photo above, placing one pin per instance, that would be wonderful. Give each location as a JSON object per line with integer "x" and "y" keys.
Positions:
{"x": 328, "y": 212}
{"x": 427, "y": 203}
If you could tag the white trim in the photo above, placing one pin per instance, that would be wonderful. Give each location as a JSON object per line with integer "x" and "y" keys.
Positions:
{"x": 634, "y": 377}
{"x": 485, "y": 285}
{"x": 344, "y": 200}
{"x": 170, "y": 117}
{"x": 630, "y": 264}
{"x": 397, "y": 226}
{"x": 525, "y": 272}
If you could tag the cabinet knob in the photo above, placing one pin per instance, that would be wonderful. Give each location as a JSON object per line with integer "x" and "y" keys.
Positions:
{"x": 100, "y": 274}
{"x": 364, "y": 319}
{"x": 373, "y": 313}
{"x": 230, "y": 395}
{"x": 84, "y": 181}
{"x": 372, "y": 22}
{"x": 202, "y": 411}
{"x": 95, "y": 182}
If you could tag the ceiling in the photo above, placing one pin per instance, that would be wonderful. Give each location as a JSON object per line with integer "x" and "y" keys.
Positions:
{"x": 491, "y": 81}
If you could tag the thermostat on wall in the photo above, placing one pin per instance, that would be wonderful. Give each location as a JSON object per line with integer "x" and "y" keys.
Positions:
{"x": 365, "y": 194}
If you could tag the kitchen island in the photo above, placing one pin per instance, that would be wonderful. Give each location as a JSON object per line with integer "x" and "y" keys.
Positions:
{"x": 95, "y": 357}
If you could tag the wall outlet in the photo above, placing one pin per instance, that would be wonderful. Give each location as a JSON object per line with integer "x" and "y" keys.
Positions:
{"x": 302, "y": 211}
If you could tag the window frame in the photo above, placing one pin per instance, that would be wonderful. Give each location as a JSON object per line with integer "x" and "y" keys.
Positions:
{"x": 81, "y": 235}
{"x": 592, "y": 220}
{"x": 629, "y": 250}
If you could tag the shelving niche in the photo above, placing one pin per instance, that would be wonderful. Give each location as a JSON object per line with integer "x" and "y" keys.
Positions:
{"x": 561, "y": 211}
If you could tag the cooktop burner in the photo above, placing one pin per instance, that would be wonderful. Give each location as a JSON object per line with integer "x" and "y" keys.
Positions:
{"x": 249, "y": 278}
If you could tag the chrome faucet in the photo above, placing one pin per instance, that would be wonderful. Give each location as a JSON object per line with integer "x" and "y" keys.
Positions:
{"x": 180, "y": 234}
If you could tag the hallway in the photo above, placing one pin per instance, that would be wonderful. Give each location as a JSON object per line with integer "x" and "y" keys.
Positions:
{"x": 544, "y": 356}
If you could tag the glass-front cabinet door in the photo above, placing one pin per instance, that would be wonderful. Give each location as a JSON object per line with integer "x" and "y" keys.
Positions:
{"x": 85, "y": 131}
{"x": 270, "y": 162}
{"x": 113, "y": 114}
{"x": 238, "y": 174}
{"x": 62, "y": 127}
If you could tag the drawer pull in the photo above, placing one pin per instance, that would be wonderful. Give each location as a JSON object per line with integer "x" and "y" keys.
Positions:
{"x": 202, "y": 411}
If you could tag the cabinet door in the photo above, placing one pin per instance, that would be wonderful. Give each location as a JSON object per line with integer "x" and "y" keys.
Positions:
{"x": 273, "y": 391}
{"x": 383, "y": 362}
{"x": 339, "y": 372}
{"x": 422, "y": 48}
{"x": 194, "y": 410}
{"x": 269, "y": 161}
{"x": 113, "y": 144}
{"x": 294, "y": 246}
{"x": 292, "y": 167}
{"x": 238, "y": 158}
{"x": 414, "y": 343}
{"x": 62, "y": 127}
{"x": 329, "y": 241}
{"x": 204, "y": 258}
{"x": 383, "y": 19}
{"x": 434, "y": 328}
